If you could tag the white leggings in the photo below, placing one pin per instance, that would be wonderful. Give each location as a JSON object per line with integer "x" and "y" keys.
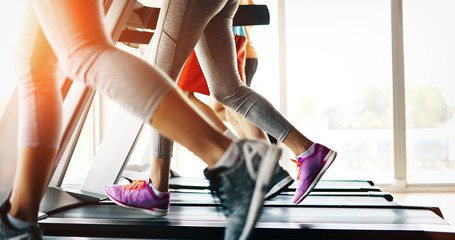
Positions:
{"x": 69, "y": 35}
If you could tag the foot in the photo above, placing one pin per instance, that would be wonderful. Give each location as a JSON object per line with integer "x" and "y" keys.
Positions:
{"x": 138, "y": 195}
{"x": 241, "y": 188}
{"x": 7, "y": 231}
{"x": 280, "y": 181}
{"x": 310, "y": 170}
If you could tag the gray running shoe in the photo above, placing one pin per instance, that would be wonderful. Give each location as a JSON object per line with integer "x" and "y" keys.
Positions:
{"x": 280, "y": 181}
{"x": 9, "y": 232}
{"x": 241, "y": 188}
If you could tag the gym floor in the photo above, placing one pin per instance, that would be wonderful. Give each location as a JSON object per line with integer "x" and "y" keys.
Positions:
{"x": 445, "y": 201}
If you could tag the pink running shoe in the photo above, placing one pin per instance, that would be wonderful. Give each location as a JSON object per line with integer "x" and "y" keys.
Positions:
{"x": 310, "y": 170}
{"x": 138, "y": 195}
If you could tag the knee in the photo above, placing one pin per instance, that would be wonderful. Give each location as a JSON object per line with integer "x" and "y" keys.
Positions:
{"x": 82, "y": 60}
{"x": 219, "y": 95}
{"x": 36, "y": 74}
{"x": 228, "y": 96}
{"x": 215, "y": 105}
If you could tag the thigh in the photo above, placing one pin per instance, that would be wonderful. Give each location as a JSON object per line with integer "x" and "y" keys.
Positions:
{"x": 181, "y": 24}
{"x": 216, "y": 52}
{"x": 70, "y": 25}
{"x": 32, "y": 53}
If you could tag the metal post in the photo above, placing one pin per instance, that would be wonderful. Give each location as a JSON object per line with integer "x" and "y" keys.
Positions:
{"x": 399, "y": 108}
{"x": 282, "y": 56}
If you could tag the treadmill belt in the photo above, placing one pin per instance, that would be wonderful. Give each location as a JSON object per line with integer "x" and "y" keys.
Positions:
{"x": 322, "y": 186}
{"x": 190, "y": 198}
{"x": 114, "y": 221}
{"x": 207, "y": 214}
{"x": 340, "y": 209}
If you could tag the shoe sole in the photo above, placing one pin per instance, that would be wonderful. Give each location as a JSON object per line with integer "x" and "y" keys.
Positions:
{"x": 155, "y": 212}
{"x": 266, "y": 170}
{"x": 279, "y": 187}
{"x": 327, "y": 162}
{"x": 24, "y": 236}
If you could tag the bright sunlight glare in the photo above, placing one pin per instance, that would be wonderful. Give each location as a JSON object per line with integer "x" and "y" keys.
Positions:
{"x": 10, "y": 17}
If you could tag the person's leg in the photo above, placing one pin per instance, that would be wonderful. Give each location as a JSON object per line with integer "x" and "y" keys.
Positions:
{"x": 40, "y": 107}
{"x": 225, "y": 84}
{"x": 243, "y": 127}
{"x": 216, "y": 55}
{"x": 160, "y": 162}
{"x": 251, "y": 66}
{"x": 210, "y": 144}
{"x": 159, "y": 173}
{"x": 207, "y": 111}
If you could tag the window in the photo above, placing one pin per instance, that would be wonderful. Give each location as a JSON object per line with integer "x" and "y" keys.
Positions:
{"x": 429, "y": 38}
{"x": 339, "y": 78}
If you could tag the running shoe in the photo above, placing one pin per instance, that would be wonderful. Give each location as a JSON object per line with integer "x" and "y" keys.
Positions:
{"x": 241, "y": 188}
{"x": 310, "y": 170}
{"x": 9, "y": 232}
{"x": 138, "y": 195}
{"x": 280, "y": 181}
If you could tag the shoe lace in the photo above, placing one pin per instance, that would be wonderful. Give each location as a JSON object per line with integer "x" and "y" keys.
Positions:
{"x": 135, "y": 185}
{"x": 249, "y": 150}
{"x": 298, "y": 167}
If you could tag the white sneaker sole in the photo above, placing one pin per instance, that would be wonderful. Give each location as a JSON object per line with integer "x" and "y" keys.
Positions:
{"x": 284, "y": 183}
{"x": 155, "y": 212}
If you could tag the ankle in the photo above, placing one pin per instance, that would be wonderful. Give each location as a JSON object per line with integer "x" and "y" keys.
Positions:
{"x": 19, "y": 223}
{"x": 307, "y": 153}
{"x": 297, "y": 142}
{"x": 217, "y": 151}
{"x": 24, "y": 216}
{"x": 229, "y": 157}
{"x": 159, "y": 184}
{"x": 157, "y": 192}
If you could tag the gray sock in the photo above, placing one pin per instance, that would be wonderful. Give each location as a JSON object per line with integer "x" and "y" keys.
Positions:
{"x": 307, "y": 153}
{"x": 19, "y": 224}
{"x": 229, "y": 157}
{"x": 156, "y": 192}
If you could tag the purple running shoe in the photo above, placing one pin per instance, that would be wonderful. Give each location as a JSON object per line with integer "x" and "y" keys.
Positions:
{"x": 310, "y": 170}
{"x": 138, "y": 195}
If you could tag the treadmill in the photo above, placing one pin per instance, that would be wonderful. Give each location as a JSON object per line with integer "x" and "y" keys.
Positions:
{"x": 196, "y": 214}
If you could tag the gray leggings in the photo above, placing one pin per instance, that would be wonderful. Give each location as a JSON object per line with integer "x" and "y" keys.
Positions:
{"x": 206, "y": 26}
